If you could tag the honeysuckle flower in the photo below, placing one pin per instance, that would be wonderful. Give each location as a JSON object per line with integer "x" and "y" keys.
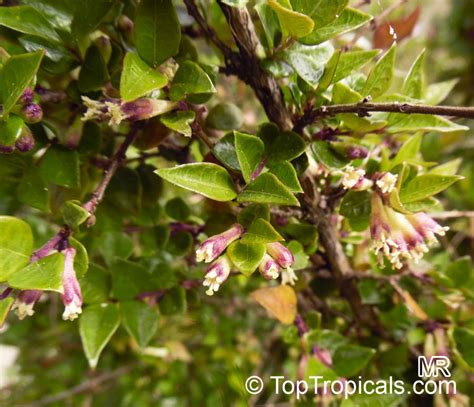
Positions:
{"x": 387, "y": 182}
{"x": 354, "y": 178}
{"x": 115, "y": 111}
{"x": 26, "y": 141}
{"x": 398, "y": 236}
{"x": 281, "y": 254}
{"x": 216, "y": 274}
{"x": 213, "y": 247}
{"x": 269, "y": 268}
{"x": 72, "y": 296}
{"x": 169, "y": 68}
{"x": 32, "y": 113}
{"x": 25, "y": 302}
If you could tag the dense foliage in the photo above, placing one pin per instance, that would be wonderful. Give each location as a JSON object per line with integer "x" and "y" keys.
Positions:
{"x": 211, "y": 190}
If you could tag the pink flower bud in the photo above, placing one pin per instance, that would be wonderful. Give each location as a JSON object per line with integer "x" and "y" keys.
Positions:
{"x": 32, "y": 113}
{"x": 213, "y": 247}
{"x": 216, "y": 274}
{"x": 6, "y": 149}
{"x": 27, "y": 96}
{"x": 72, "y": 297}
{"x": 25, "y": 302}
{"x": 281, "y": 254}
{"x": 269, "y": 268}
{"x": 26, "y": 141}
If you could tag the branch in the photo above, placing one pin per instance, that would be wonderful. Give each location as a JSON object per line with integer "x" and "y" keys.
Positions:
{"x": 364, "y": 108}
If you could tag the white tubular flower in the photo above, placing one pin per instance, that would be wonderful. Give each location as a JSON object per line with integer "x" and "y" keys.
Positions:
{"x": 354, "y": 178}
{"x": 72, "y": 296}
{"x": 269, "y": 268}
{"x": 114, "y": 111}
{"x": 387, "y": 182}
{"x": 25, "y": 302}
{"x": 212, "y": 248}
{"x": 399, "y": 237}
{"x": 216, "y": 274}
{"x": 288, "y": 276}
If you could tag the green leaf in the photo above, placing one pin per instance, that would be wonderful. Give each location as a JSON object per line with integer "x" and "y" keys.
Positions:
{"x": 380, "y": 78}
{"x": 408, "y": 151}
{"x": 270, "y": 23}
{"x": 400, "y": 122}
{"x": 436, "y": 92}
{"x": 95, "y": 285}
{"x": 139, "y": 79}
{"x": 246, "y": 257}
{"x": 157, "y": 31}
{"x": 352, "y": 61}
{"x": 350, "y": 19}
{"x": 97, "y": 325}
{"x": 27, "y": 20}
{"x": 253, "y": 212}
{"x": 286, "y": 173}
{"x": 44, "y": 274}
{"x": 464, "y": 343}
{"x": 81, "y": 259}
{"x": 249, "y": 150}
{"x": 292, "y": 23}
{"x": 140, "y": 320}
{"x": 224, "y": 116}
{"x": 309, "y": 60}
{"x": 16, "y": 246}
{"x": 425, "y": 186}
{"x": 460, "y": 271}
{"x": 348, "y": 360}
{"x": 324, "y": 154}
{"x": 16, "y": 76}
{"x": 267, "y": 189}
{"x": 61, "y": 167}
{"x": 323, "y": 12}
{"x": 129, "y": 279}
{"x": 88, "y": 14}
{"x": 74, "y": 214}
{"x": 5, "y": 306}
{"x": 115, "y": 245}
{"x": 224, "y": 151}
{"x": 190, "y": 79}
{"x": 33, "y": 191}
{"x": 174, "y": 302}
{"x": 177, "y": 208}
{"x": 94, "y": 72}
{"x": 356, "y": 205}
{"x": 207, "y": 179}
{"x": 449, "y": 168}
{"x": 179, "y": 121}
{"x": 261, "y": 231}
{"x": 414, "y": 84}
{"x": 235, "y": 3}
{"x": 10, "y": 130}
{"x": 285, "y": 147}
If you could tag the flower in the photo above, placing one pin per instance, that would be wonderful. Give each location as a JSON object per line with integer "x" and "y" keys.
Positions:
{"x": 26, "y": 141}
{"x": 24, "y": 303}
{"x": 216, "y": 274}
{"x": 398, "y": 236}
{"x": 269, "y": 268}
{"x": 213, "y": 247}
{"x": 72, "y": 297}
{"x": 32, "y": 113}
{"x": 288, "y": 276}
{"x": 115, "y": 111}
{"x": 354, "y": 178}
{"x": 281, "y": 254}
{"x": 387, "y": 182}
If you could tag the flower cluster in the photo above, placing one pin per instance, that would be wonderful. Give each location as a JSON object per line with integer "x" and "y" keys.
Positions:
{"x": 114, "y": 111}
{"x": 277, "y": 258}
{"x": 71, "y": 290}
{"x": 399, "y": 236}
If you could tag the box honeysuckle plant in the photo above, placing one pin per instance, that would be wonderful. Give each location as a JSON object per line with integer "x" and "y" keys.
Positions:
{"x": 206, "y": 188}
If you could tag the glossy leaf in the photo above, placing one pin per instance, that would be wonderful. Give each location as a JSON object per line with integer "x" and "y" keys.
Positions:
{"x": 207, "y": 179}
{"x": 292, "y": 23}
{"x": 157, "y": 31}
{"x": 138, "y": 78}
{"x": 352, "y": 61}
{"x": 33, "y": 191}
{"x": 5, "y": 306}
{"x": 399, "y": 122}
{"x": 140, "y": 320}
{"x": 246, "y": 256}
{"x": 16, "y": 246}
{"x": 425, "y": 186}
{"x": 286, "y": 173}
{"x": 88, "y": 14}
{"x": 97, "y": 325}
{"x": 267, "y": 189}
{"x": 179, "y": 121}
{"x": 61, "y": 167}
{"x": 249, "y": 150}
{"x": 380, "y": 78}
{"x": 190, "y": 79}
{"x": 261, "y": 231}
{"x": 414, "y": 84}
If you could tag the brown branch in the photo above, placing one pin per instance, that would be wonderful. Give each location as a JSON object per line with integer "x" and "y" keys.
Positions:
{"x": 248, "y": 66}
{"x": 364, "y": 108}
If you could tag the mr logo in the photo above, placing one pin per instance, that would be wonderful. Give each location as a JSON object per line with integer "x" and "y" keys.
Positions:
{"x": 434, "y": 366}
